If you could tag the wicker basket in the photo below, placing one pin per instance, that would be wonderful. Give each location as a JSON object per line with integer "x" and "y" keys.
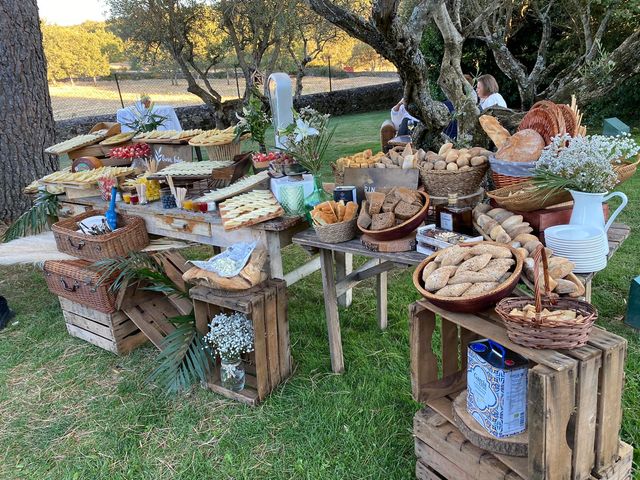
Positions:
{"x": 440, "y": 183}
{"x": 546, "y": 332}
{"x": 626, "y": 170}
{"x": 525, "y": 197}
{"x": 223, "y": 152}
{"x": 77, "y": 281}
{"x": 506, "y": 174}
{"x": 337, "y": 232}
{"x": 131, "y": 237}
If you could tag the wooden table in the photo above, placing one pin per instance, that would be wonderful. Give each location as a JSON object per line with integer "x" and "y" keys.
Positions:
{"x": 206, "y": 229}
{"x": 337, "y": 286}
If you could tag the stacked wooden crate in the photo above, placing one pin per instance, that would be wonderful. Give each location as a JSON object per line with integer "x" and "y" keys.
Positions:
{"x": 574, "y": 405}
{"x": 266, "y": 306}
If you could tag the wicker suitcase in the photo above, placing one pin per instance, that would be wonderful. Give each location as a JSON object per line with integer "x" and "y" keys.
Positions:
{"x": 131, "y": 236}
{"x": 76, "y": 281}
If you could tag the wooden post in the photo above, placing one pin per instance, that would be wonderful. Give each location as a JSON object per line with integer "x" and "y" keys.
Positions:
{"x": 344, "y": 266}
{"x": 331, "y": 311}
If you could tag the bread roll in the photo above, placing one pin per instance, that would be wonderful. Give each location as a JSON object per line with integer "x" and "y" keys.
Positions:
{"x": 478, "y": 160}
{"x": 482, "y": 220}
{"x": 496, "y": 251}
{"x": 439, "y": 278}
{"x": 445, "y": 148}
{"x": 524, "y": 238}
{"x": 565, "y": 287}
{"x": 475, "y": 263}
{"x": 452, "y": 255}
{"x": 428, "y": 270}
{"x": 452, "y": 167}
{"x": 560, "y": 267}
{"x": 510, "y": 221}
{"x": 453, "y": 290}
{"x": 498, "y": 267}
{"x": 524, "y": 146}
{"x": 503, "y": 216}
{"x": 495, "y": 211}
{"x": 440, "y": 165}
{"x": 452, "y": 156}
{"x": 480, "y": 288}
{"x": 498, "y": 234}
{"x": 470, "y": 277}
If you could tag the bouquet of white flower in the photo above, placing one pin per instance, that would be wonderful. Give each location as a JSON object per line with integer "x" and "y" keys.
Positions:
{"x": 230, "y": 335}
{"x": 308, "y": 138}
{"x": 581, "y": 163}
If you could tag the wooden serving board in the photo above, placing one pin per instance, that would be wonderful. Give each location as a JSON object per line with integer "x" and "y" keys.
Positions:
{"x": 264, "y": 218}
{"x": 405, "y": 244}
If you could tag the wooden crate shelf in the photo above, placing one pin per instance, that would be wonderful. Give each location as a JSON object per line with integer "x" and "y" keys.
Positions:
{"x": 574, "y": 408}
{"x": 443, "y": 453}
{"x": 266, "y": 307}
{"x": 113, "y": 332}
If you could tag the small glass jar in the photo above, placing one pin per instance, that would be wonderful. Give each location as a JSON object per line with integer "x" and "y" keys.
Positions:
{"x": 232, "y": 374}
{"x": 167, "y": 199}
{"x": 202, "y": 207}
{"x": 126, "y": 197}
{"x": 133, "y": 199}
{"x": 187, "y": 204}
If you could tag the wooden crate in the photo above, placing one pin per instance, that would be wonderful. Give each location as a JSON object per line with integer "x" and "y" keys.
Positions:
{"x": 444, "y": 453}
{"x": 574, "y": 406}
{"x": 111, "y": 331}
{"x": 266, "y": 307}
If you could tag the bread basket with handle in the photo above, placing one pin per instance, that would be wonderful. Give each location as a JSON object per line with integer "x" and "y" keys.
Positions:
{"x": 546, "y": 330}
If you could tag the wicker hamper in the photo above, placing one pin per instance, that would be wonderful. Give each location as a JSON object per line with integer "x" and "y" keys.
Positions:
{"x": 77, "y": 281}
{"x": 131, "y": 236}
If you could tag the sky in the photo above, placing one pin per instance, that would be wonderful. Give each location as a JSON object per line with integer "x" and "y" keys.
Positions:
{"x": 71, "y": 12}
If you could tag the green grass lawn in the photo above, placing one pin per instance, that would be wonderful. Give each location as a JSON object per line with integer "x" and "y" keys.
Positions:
{"x": 69, "y": 410}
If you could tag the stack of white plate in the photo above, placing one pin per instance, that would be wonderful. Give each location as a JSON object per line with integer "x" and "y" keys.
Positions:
{"x": 586, "y": 246}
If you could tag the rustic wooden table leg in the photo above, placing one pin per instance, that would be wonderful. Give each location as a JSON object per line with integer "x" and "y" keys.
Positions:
{"x": 424, "y": 363}
{"x": 331, "y": 311}
{"x": 381, "y": 292}
{"x": 275, "y": 256}
{"x": 344, "y": 266}
{"x": 587, "y": 291}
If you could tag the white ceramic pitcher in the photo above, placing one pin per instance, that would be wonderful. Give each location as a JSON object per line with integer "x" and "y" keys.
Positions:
{"x": 587, "y": 208}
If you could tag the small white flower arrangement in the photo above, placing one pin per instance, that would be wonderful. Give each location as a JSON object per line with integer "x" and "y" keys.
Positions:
{"x": 581, "y": 163}
{"x": 230, "y": 336}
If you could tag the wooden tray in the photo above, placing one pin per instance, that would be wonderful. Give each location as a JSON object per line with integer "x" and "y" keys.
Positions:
{"x": 164, "y": 141}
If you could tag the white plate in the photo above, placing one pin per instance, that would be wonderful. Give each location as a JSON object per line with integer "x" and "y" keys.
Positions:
{"x": 571, "y": 233}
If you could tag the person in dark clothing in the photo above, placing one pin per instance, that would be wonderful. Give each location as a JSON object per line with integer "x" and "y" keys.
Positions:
{"x": 6, "y": 313}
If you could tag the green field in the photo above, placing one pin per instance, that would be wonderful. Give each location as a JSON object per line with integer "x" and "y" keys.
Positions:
{"x": 69, "y": 410}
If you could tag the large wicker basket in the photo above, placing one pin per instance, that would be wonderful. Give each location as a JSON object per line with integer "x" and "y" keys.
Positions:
{"x": 524, "y": 197}
{"x": 223, "y": 152}
{"x": 506, "y": 174}
{"x": 626, "y": 170}
{"x": 131, "y": 236}
{"x": 545, "y": 331}
{"x": 440, "y": 183}
{"x": 78, "y": 282}
{"x": 337, "y": 232}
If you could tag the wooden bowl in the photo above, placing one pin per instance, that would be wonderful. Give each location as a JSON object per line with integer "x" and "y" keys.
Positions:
{"x": 402, "y": 230}
{"x": 474, "y": 303}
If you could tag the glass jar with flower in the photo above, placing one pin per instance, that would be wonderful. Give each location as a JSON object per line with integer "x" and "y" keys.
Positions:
{"x": 229, "y": 337}
{"x": 584, "y": 165}
{"x": 306, "y": 142}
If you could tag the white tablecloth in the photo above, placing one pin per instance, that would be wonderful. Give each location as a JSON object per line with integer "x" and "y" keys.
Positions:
{"x": 129, "y": 114}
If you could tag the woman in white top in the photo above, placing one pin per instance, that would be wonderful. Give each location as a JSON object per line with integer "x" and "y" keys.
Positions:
{"x": 488, "y": 93}
{"x": 400, "y": 118}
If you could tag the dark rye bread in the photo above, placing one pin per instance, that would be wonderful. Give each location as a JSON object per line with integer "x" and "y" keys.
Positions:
{"x": 381, "y": 221}
{"x": 405, "y": 211}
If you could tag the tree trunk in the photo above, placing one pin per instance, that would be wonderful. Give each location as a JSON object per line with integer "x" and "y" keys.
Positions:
{"x": 25, "y": 106}
{"x": 299, "y": 76}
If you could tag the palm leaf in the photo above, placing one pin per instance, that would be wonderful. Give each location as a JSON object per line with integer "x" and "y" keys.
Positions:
{"x": 183, "y": 359}
{"x": 35, "y": 219}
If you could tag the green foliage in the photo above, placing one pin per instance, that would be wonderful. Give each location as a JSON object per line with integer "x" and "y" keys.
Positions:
{"x": 79, "y": 51}
{"x": 137, "y": 266}
{"x": 34, "y": 220}
{"x": 254, "y": 119}
{"x": 183, "y": 359}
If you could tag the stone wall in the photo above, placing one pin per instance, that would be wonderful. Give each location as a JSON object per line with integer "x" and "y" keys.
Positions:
{"x": 340, "y": 102}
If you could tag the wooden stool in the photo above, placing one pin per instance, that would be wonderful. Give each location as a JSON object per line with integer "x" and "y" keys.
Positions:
{"x": 266, "y": 307}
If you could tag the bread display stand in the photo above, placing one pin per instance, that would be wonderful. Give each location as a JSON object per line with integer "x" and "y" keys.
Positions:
{"x": 266, "y": 306}
{"x": 574, "y": 404}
